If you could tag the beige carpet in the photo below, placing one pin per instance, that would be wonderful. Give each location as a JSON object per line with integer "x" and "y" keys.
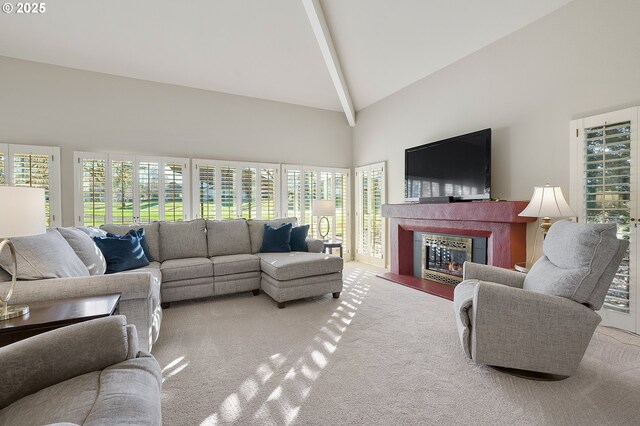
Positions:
{"x": 382, "y": 354}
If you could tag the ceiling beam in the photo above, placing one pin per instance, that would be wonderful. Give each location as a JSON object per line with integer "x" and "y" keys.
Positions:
{"x": 323, "y": 36}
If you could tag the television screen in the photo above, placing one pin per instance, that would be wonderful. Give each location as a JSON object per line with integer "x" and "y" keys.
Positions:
{"x": 458, "y": 167}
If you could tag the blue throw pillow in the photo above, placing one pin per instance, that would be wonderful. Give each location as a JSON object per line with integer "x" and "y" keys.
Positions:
{"x": 276, "y": 240}
{"x": 299, "y": 238}
{"x": 121, "y": 252}
{"x": 143, "y": 243}
{"x": 138, "y": 233}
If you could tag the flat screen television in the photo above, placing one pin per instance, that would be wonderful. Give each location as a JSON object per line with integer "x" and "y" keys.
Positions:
{"x": 457, "y": 168}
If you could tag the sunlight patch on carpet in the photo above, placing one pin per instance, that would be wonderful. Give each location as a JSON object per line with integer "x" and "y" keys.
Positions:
{"x": 283, "y": 403}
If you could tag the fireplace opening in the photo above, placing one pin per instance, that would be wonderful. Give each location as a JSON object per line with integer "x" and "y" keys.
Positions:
{"x": 443, "y": 257}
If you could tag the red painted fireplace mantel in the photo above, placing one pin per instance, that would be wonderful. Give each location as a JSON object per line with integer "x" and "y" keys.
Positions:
{"x": 498, "y": 221}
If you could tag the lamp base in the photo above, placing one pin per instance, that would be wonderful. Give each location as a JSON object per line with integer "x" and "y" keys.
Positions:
{"x": 13, "y": 311}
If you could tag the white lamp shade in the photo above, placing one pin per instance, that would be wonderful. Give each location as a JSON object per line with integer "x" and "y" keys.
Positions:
{"x": 22, "y": 211}
{"x": 547, "y": 201}
{"x": 324, "y": 208}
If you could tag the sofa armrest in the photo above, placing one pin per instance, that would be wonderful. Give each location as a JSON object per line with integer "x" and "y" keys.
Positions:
{"x": 53, "y": 357}
{"x": 315, "y": 245}
{"x": 477, "y": 271}
{"x": 130, "y": 286}
{"x": 530, "y": 331}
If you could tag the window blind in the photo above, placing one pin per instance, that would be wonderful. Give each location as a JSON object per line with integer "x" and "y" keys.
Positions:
{"x": 310, "y": 194}
{"x": 228, "y": 192}
{"x": 268, "y": 200}
{"x": 174, "y": 184}
{"x": 249, "y": 187}
{"x": 607, "y": 186}
{"x": 94, "y": 208}
{"x": 294, "y": 193}
{"x": 33, "y": 170}
{"x": 207, "y": 185}
{"x": 149, "y": 191}
{"x": 122, "y": 191}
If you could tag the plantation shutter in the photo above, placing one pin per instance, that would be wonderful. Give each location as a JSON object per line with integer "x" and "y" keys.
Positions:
{"x": 228, "y": 192}
{"x": 607, "y": 194}
{"x": 310, "y": 194}
{"x": 293, "y": 190}
{"x": 3, "y": 164}
{"x": 36, "y": 167}
{"x": 248, "y": 193}
{"x": 148, "y": 197}
{"x": 268, "y": 196}
{"x": 93, "y": 190}
{"x": 370, "y": 231}
{"x": 122, "y": 187}
{"x": 342, "y": 210}
{"x": 176, "y": 188}
{"x": 205, "y": 189}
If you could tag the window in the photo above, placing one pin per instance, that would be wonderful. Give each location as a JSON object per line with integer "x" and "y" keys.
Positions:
{"x": 3, "y": 161}
{"x": 370, "y": 231}
{"x": 126, "y": 189}
{"x": 604, "y": 184}
{"x": 38, "y": 167}
{"x": 93, "y": 187}
{"x": 228, "y": 190}
{"x": 303, "y": 184}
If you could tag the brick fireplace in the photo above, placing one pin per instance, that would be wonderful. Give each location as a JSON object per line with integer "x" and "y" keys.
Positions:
{"x": 497, "y": 221}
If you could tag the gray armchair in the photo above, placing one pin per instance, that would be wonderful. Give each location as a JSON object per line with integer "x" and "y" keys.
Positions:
{"x": 542, "y": 321}
{"x": 89, "y": 373}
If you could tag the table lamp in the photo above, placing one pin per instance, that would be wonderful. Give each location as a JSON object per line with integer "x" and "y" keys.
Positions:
{"x": 22, "y": 214}
{"x": 547, "y": 202}
{"x": 322, "y": 209}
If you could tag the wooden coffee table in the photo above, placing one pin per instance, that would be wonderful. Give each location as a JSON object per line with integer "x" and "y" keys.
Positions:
{"x": 49, "y": 315}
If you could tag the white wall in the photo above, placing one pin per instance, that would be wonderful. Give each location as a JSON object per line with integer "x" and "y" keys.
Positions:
{"x": 580, "y": 60}
{"x": 86, "y": 111}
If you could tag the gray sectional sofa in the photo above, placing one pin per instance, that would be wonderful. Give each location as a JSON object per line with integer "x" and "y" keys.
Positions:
{"x": 196, "y": 259}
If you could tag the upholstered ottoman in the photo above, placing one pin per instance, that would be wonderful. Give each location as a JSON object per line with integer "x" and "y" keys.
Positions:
{"x": 295, "y": 275}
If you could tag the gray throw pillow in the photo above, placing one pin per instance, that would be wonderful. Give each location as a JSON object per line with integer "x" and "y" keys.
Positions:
{"x": 86, "y": 249}
{"x": 44, "y": 256}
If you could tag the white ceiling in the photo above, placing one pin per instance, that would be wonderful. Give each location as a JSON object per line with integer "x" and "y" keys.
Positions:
{"x": 266, "y": 49}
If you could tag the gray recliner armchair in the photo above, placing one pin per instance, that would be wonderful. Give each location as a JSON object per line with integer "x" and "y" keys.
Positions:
{"x": 542, "y": 321}
{"x": 90, "y": 373}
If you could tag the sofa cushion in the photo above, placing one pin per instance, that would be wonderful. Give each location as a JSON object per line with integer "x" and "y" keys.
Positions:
{"x": 299, "y": 238}
{"x": 276, "y": 240}
{"x": 575, "y": 255}
{"x": 35, "y": 260}
{"x": 186, "y": 269}
{"x": 151, "y": 236}
{"x": 256, "y": 230}
{"x": 153, "y": 268}
{"x": 122, "y": 252}
{"x": 182, "y": 240}
{"x": 225, "y": 237}
{"x": 85, "y": 249}
{"x": 235, "y": 264}
{"x": 290, "y": 266}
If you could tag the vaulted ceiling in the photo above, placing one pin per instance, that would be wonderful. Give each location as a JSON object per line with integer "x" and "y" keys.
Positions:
{"x": 266, "y": 48}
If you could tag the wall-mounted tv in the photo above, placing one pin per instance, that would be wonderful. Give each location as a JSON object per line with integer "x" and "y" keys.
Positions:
{"x": 457, "y": 168}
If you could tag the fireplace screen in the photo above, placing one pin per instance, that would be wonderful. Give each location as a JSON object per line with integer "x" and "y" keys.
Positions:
{"x": 443, "y": 257}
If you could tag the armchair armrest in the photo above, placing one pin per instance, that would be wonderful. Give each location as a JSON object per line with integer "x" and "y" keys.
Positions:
{"x": 476, "y": 271}
{"x": 315, "y": 245}
{"x": 53, "y": 357}
{"x": 529, "y": 331}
